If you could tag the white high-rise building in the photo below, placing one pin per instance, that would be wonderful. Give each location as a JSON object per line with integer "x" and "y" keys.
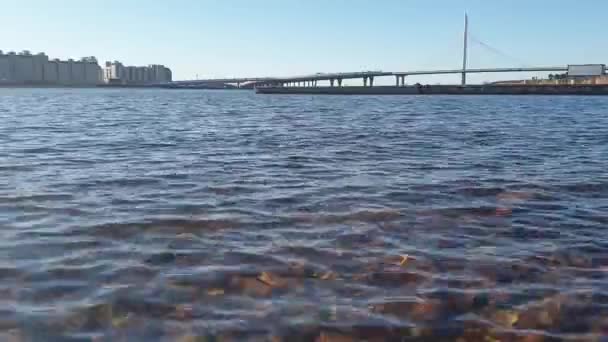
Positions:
{"x": 25, "y": 68}
{"x": 116, "y": 73}
{"x": 64, "y": 73}
{"x": 51, "y": 72}
{"x": 39, "y": 62}
{"x": 5, "y": 70}
{"x": 77, "y": 71}
{"x": 92, "y": 70}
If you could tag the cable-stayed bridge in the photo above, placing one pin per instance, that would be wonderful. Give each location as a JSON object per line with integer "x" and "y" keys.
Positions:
{"x": 368, "y": 77}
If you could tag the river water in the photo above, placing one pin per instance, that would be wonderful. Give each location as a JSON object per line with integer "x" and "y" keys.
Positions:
{"x": 224, "y": 215}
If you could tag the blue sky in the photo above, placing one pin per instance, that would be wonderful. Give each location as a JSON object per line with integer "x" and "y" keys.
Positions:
{"x": 220, "y": 38}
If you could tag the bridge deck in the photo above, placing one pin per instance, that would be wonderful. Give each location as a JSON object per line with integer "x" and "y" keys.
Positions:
{"x": 472, "y": 71}
{"x": 362, "y": 74}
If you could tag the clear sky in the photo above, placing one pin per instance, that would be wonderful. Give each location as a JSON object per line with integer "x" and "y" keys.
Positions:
{"x": 220, "y": 38}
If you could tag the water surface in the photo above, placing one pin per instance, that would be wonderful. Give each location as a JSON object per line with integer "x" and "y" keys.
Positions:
{"x": 166, "y": 215}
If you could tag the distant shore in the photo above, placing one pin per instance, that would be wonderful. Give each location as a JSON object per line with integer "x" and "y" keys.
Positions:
{"x": 17, "y": 85}
{"x": 443, "y": 90}
{"x": 132, "y": 86}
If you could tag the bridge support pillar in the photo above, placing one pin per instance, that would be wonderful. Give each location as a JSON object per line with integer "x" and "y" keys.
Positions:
{"x": 371, "y": 81}
{"x": 397, "y": 80}
{"x": 331, "y": 82}
{"x": 400, "y": 80}
{"x": 365, "y": 81}
{"x": 339, "y": 82}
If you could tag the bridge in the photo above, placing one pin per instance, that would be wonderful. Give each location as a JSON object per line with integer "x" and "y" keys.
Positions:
{"x": 368, "y": 77}
{"x": 236, "y": 82}
{"x": 293, "y": 80}
{"x": 336, "y": 79}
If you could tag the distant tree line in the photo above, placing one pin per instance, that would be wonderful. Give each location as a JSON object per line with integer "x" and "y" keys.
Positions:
{"x": 558, "y": 76}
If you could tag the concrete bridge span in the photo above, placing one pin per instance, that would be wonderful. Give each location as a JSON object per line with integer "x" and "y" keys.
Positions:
{"x": 336, "y": 79}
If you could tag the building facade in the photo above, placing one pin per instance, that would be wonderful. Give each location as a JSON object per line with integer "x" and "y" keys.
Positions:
{"x": 118, "y": 74}
{"x": 27, "y": 69}
{"x": 24, "y": 68}
{"x": 5, "y": 69}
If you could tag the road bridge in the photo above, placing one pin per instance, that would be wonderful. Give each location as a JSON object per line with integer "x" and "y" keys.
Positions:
{"x": 336, "y": 79}
{"x": 368, "y": 77}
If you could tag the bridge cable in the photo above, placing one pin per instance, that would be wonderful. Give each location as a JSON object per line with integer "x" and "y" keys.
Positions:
{"x": 497, "y": 51}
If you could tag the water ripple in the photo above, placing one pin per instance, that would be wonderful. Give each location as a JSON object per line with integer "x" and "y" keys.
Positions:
{"x": 177, "y": 215}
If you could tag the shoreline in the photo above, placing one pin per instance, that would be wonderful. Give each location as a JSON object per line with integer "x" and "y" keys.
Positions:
{"x": 442, "y": 90}
{"x": 68, "y": 86}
